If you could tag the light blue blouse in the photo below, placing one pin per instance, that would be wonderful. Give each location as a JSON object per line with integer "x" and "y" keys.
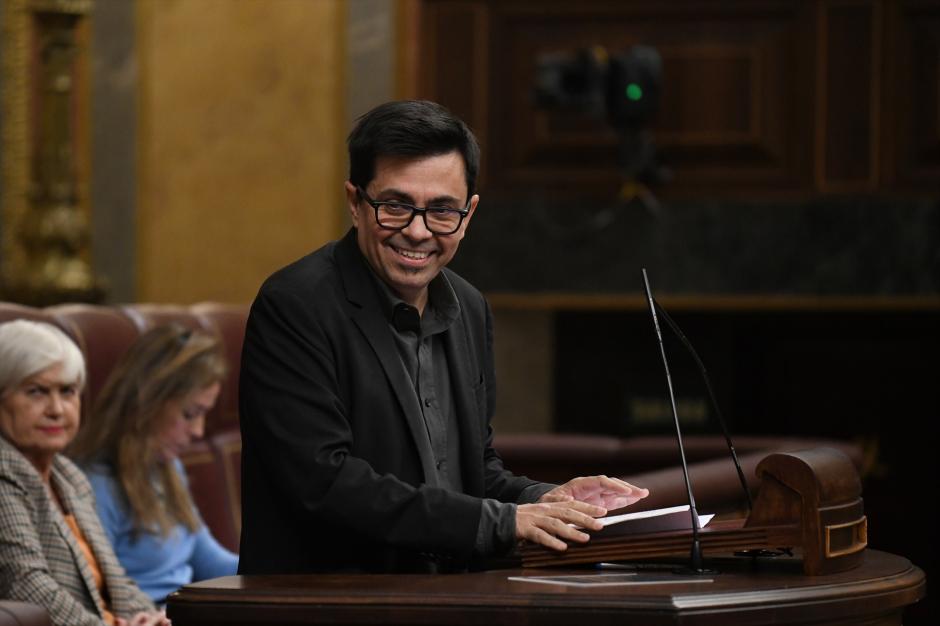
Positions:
{"x": 159, "y": 565}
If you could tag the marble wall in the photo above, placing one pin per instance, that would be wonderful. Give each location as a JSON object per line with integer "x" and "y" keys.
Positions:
{"x": 862, "y": 246}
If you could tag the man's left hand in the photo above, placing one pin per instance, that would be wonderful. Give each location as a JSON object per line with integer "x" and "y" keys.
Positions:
{"x": 610, "y": 493}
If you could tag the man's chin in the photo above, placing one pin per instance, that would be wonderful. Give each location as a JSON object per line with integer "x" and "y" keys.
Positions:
{"x": 413, "y": 277}
{"x": 409, "y": 282}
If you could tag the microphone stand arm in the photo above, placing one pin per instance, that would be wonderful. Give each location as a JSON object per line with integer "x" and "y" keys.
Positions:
{"x": 711, "y": 396}
{"x": 695, "y": 555}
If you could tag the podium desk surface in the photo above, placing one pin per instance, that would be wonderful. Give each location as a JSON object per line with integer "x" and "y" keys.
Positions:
{"x": 742, "y": 591}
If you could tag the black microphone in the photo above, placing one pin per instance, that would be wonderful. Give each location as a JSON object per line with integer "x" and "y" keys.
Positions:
{"x": 711, "y": 396}
{"x": 695, "y": 556}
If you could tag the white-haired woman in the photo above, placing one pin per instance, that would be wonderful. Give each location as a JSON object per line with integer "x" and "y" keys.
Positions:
{"x": 53, "y": 551}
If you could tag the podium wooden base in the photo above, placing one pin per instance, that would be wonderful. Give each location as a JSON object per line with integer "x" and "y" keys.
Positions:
{"x": 745, "y": 591}
{"x": 809, "y": 499}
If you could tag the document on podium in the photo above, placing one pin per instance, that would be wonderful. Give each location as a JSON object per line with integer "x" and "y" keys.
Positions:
{"x": 652, "y": 521}
{"x": 608, "y": 580}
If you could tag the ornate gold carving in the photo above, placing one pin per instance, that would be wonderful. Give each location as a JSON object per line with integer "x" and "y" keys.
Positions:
{"x": 45, "y": 232}
{"x": 64, "y": 7}
{"x": 14, "y": 132}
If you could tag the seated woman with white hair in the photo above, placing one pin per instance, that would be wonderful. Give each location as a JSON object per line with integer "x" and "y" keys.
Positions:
{"x": 53, "y": 550}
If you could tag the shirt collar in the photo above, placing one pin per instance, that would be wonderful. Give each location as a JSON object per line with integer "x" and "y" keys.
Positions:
{"x": 439, "y": 313}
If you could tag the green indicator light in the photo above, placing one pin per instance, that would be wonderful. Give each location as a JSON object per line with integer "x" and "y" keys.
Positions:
{"x": 634, "y": 92}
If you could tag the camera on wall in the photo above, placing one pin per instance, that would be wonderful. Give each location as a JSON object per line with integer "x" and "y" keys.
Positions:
{"x": 621, "y": 88}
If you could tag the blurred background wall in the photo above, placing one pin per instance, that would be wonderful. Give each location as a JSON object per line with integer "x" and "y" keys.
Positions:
{"x": 239, "y": 137}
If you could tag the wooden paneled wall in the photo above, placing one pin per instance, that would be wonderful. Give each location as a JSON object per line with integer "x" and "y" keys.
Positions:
{"x": 911, "y": 150}
{"x": 759, "y": 97}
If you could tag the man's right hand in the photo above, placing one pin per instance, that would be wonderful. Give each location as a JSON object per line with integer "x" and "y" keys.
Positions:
{"x": 144, "y": 618}
{"x": 547, "y": 523}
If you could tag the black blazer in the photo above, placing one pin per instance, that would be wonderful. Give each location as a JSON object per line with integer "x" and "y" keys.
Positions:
{"x": 336, "y": 457}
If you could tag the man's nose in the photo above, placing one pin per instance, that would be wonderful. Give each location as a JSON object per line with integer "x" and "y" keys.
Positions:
{"x": 417, "y": 230}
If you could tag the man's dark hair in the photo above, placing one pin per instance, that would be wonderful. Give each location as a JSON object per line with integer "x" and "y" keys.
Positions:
{"x": 416, "y": 128}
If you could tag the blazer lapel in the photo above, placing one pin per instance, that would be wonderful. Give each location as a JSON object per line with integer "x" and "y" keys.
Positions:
{"x": 65, "y": 532}
{"x": 366, "y": 314}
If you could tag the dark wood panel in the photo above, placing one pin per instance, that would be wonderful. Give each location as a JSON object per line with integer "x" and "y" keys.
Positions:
{"x": 730, "y": 73}
{"x": 759, "y": 97}
{"x": 453, "y": 57}
{"x": 849, "y": 73}
{"x": 727, "y": 71}
{"x": 560, "y": 301}
{"x": 912, "y": 94}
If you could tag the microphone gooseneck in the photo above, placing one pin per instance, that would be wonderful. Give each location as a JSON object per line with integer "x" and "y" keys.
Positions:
{"x": 711, "y": 396}
{"x": 695, "y": 555}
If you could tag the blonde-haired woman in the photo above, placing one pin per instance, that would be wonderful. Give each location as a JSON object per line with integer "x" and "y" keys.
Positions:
{"x": 152, "y": 406}
{"x": 53, "y": 550}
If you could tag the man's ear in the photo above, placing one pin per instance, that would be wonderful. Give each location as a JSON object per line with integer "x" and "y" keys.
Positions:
{"x": 352, "y": 203}
{"x": 474, "y": 201}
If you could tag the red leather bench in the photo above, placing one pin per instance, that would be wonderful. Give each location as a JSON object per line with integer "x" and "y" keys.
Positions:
{"x": 14, "y": 613}
{"x": 654, "y": 462}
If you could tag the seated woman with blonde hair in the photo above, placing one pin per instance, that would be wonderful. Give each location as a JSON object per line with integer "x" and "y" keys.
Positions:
{"x": 53, "y": 550}
{"x": 150, "y": 409}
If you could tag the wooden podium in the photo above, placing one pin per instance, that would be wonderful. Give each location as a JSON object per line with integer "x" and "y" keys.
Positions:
{"x": 811, "y": 499}
{"x": 772, "y": 591}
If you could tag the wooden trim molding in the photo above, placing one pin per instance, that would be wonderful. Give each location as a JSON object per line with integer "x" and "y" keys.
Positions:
{"x": 711, "y": 302}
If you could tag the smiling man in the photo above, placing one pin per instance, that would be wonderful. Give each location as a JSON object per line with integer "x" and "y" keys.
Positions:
{"x": 367, "y": 384}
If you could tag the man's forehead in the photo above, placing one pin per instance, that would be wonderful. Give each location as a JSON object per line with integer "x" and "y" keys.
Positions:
{"x": 439, "y": 174}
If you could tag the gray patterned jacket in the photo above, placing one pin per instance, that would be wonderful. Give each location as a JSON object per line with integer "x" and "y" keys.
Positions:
{"x": 40, "y": 560}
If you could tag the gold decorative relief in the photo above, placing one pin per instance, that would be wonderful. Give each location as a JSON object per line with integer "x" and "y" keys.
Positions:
{"x": 45, "y": 242}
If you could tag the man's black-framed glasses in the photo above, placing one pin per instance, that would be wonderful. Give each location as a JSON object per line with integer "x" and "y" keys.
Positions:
{"x": 396, "y": 215}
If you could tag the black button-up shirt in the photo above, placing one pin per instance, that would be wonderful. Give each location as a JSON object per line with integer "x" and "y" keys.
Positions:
{"x": 420, "y": 344}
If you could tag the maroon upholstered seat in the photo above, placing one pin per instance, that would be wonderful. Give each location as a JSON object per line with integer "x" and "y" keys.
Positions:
{"x": 227, "y": 446}
{"x": 207, "y": 484}
{"x": 228, "y": 321}
{"x": 10, "y": 311}
{"x": 104, "y": 334}
{"x": 14, "y": 613}
{"x": 146, "y": 316}
{"x": 653, "y": 462}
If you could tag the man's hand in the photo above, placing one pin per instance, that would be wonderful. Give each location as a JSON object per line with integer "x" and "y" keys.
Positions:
{"x": 577, "y": 502}
{"x": 610, "y": 493}
{"x": 144, "y": 618}
{"x": 547, "y": 523}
